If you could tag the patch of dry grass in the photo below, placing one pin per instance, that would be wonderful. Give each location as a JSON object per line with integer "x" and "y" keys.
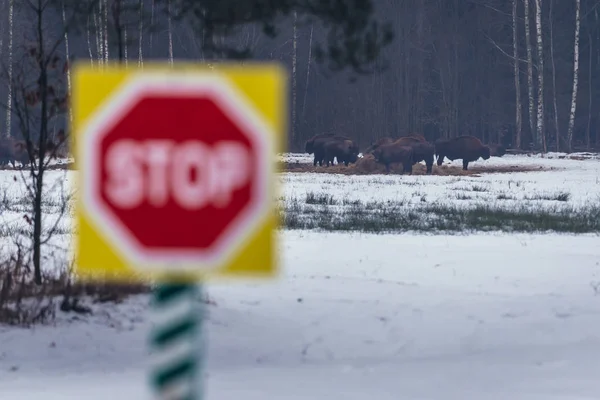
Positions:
{"x": 24, "y": 303}
{"x": 368, "y": 166}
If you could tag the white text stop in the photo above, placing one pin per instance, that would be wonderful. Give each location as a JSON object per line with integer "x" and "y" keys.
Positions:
{"x": 155, "y": 171}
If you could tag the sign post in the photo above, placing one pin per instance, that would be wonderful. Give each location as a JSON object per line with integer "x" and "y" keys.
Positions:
{"x": 177, "y": 341}
{"x": 176, "y": 185}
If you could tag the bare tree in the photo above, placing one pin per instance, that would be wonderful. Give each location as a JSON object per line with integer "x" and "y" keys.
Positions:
{"x": 89, "y": 41}
{"x": 588, "y": 139}
{"x": 294, "y": 80}
{"x": 308, "y": 65}
{"x": 68, "y": 72}
{"x": 170, "y": 31}
{"x": 40, "y": 96}
{"x": 553, "y": 64}
{"x": 530, "y": 87}
{"x": 125, "y": 51}
{"x": 119, "y": 27}
{"x": 141, "y": 34}
{"x": 152, "y": 10}
{"x": 518, "y": 105}
{"x": 99, "y": 33}
{"x": 11, "y": 13}
{"x": 540, "y": 135}
{"x": 104, "y": 19}
{"x": 575, "y": 77}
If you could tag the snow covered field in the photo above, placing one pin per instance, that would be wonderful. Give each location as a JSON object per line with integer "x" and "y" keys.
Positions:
{"x": 363, "y": 316}
{"x": 563, "y": 196}
{"x": 357, "y": 317}
{"x": 580, "y": 180}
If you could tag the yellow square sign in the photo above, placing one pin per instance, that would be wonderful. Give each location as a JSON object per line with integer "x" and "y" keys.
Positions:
{"x": 177, "y": 169}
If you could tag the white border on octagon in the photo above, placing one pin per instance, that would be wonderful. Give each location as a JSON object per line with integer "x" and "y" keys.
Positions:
{"x": 236, "y": 107}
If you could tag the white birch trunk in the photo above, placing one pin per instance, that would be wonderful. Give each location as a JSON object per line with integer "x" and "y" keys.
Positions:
{"x": 67, "y": 60}
{"x": 99, "y": 35}
{"x": 125, "y": 46}
{"x": 530, "y": 87}
{"x": 294, "y": 80}
{"x": 89, "y": 41}
{"x": 141, "y": 33}
{"x": 170, "y": 29}
{"x": 518, "y": 106}
{"x": 105, "y": 30}
{"x": 540, "y": 136}
{"x": 151, "y": 23}
{"x": 588, "y": 139}
{"x": 11, "y": 11}
{"x": 308, "y": 63}
{"x": 575, "y": 76}
{"x": 552, "y": 61}
{"x": 2, "y": 36}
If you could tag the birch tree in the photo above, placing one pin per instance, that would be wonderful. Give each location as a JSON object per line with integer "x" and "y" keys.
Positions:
{"x": 11, "y": 14}
{"x": 575, "y": 76}
{"x": 170, "y": 31}
{"x": 540, "y": 135}
{"x": 89, "y": 41}
{"x": 518, "y": 106}
{"x": 119, "y": 28}
{"x": 40, "y": 98}
{"x": 530, "y": 88}
{"x": 553, "y": 64}
{"x": 99, "y": 34}
{"x": 67, "y": 62}
{"x": 308, "y": 65}
{"x": 588, "y": 139}
{"x": 294, "y": 80}
{"x": 104, "y": 19}
{"x": 141, "y": 34}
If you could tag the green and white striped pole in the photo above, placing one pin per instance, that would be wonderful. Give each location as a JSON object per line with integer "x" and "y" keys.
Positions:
{"x": 176, "y": 340}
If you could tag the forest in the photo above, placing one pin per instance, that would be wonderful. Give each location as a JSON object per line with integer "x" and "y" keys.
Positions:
{"x": 516, "y": 72}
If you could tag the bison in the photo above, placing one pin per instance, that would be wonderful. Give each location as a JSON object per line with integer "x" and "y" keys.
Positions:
{"x": 379, "y": 142}
{"x": 423, "y": 152}
{"x": 317, "y": 147}
{"x": 310, "y": 143}
{"x": 408, "y": 141}
{"x": 417, "y": 136}
{"x": 344, "y": 150}
{"x": 467, "y": 148}
{"x": 394, "y": 153}
{"x": 12, "y": 151}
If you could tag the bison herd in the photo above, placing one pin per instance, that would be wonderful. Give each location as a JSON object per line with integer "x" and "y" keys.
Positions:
{"x": 406, "y": 150}
{"x": 13, "y": 151}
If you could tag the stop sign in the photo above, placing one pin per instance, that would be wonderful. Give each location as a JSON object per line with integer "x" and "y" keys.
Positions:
{"x": 177, "y": 170}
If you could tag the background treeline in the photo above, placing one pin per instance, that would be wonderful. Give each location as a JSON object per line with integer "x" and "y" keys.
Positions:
{"x": 450, "y": 69}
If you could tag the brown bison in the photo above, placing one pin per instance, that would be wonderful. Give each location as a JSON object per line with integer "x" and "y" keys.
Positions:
{"x": 394, "y": 153}
{"x": 310, "y": 143}
{"x": 423, "y": 152}
{"x": 467, "y": 148}
{"x": 12, "y": 150}
{"x": 417, "y": 136}
{"x": 408, "y": 141}
{"x": 379, "y": 142}
{"x": 316, "y": 145}
{"x": 344, "y": 150}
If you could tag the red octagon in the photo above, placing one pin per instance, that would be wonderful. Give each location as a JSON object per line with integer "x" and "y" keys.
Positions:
{"x": 180, "y": 112}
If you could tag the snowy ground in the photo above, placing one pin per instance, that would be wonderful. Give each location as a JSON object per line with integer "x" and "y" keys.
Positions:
{"x": 579, "y": 179}
{"x": 385, "y": 317}
{"x": 360, "y": 316}
{"x": 563, "y": 195}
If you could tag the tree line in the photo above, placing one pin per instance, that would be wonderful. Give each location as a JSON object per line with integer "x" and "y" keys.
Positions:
{"x": 517, "y": 72}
